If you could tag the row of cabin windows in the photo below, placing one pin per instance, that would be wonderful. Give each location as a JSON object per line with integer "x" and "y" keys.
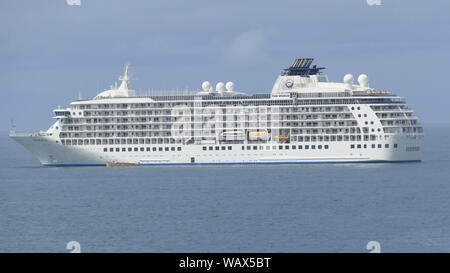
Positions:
{"x": 285, "y": 147}
{"x": 217, "y": 148}
{"x": 413, "y": 149}
{"x": 143, "y": 149}
{"x": 359, "y": 146}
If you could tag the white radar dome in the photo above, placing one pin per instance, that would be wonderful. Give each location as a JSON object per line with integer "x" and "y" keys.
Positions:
{"x": 220, "y": 87}
{"x": 348, "y": 79}
{"x": 230, "y": 86}
{"x": 206, "y": 86}
{"x": 363, "y": 80}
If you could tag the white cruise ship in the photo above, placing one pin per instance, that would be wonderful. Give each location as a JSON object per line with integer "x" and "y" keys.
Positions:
{"x": 305, "y": 119}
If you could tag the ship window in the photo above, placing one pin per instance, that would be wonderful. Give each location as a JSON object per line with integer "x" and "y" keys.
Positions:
{"x": 365, "y": 115}
{"x": 230, "y": 147}
{"x": 371, "y": 122}
{"x": 135, "y": 149}
{"x": 223, "y": 148}
{"x": 204, "y": 148}
{"x": 353, "y": 108}
{"x": 267, "y": 147}
{"x": 117, "y": 149}
{"x": 178, "y": 148}
{"x": 294, "y": 147}
{"x": 365, "y": 146}
{"x": 373, "y": 146}
{"x": 300, "y": 147}
{"x": 280, "y": 147}
{"x": 124, "y": 149}
{"x": 105, "y": 149}
{"x": 142, "y": 149}
{"x": 243, "y": 147}
{"x": 306, "y": 147}
{"x": 395, "y": 145}
{"x": 352, "y": 146}
{"x": 379, "y": 145}
{"x": 319, "y": 147}
{"x": 148, "y": 149}
{"x": 359, "y": 146}
{"x": 166, "y": 149}
{"x": 210, "y": 148}
{"x": 154, "y": 149}
{"x": 111, "y": 149}
{"x": 255, "y": 147}
{"x": 326, "y": 146}
{"x": 172, "y": 149}
{"x": 313, "y": 146}
{"x": 216, "y": 148}
{"x": 248, "y": 147}
{"x": 160, "y": 149}
{"x": 359, "y": 115}
{"x": 359, "y": 108}
{"x": 286, "y": 147}
{"x": 386, "y": 146}
{"x": 379, "y": 130}
{"x": 130, "y": 149}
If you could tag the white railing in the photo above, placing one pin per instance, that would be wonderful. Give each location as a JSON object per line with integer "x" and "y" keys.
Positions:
{"x": 36, "y": 134}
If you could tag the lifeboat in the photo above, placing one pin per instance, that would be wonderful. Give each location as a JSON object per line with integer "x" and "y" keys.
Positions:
{"x": 283, "y": 138}
{"x": 258, "y": 135}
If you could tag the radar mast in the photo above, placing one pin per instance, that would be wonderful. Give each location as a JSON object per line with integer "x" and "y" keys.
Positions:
{"x": 125, "y": 79}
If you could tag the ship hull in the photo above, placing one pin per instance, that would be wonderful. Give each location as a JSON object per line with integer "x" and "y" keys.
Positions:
{"x": 50, "y": 152}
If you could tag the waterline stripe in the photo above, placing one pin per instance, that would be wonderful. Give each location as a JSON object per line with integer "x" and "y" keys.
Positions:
{"x": 241, "y": 163}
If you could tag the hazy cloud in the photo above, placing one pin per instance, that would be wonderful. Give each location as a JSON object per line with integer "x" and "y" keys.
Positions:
{"x": 374, "y": 2}
{"x": 73, "y": 2}
{"x": 246, "y": 48}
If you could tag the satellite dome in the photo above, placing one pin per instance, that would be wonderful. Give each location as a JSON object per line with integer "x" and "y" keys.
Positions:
{"x": 220, "y": 87}
{"x": 363, "y": 80}
{"x": 348, "y": 79}
{"x": 229, "y": 86}
{"x": 206, "y": 86}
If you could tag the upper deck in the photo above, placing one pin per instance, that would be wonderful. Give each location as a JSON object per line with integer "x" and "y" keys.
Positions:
{"x": 298, "y": 84}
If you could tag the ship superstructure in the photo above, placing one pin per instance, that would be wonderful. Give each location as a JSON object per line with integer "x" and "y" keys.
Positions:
{"x": 305, "y": 119}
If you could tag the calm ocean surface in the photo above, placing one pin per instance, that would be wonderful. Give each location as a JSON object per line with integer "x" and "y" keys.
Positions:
{"x": 292, "y": 208}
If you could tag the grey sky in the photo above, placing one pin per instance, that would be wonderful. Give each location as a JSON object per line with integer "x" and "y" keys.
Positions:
{"x": 49, "y": 50}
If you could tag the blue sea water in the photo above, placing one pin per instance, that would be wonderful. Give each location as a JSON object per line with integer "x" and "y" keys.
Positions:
{"x": 269, "y": 208}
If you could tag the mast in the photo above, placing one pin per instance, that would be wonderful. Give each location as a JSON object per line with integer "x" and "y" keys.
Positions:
{"x": 13, "y": 127}
{"x": 125, "y": 79}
